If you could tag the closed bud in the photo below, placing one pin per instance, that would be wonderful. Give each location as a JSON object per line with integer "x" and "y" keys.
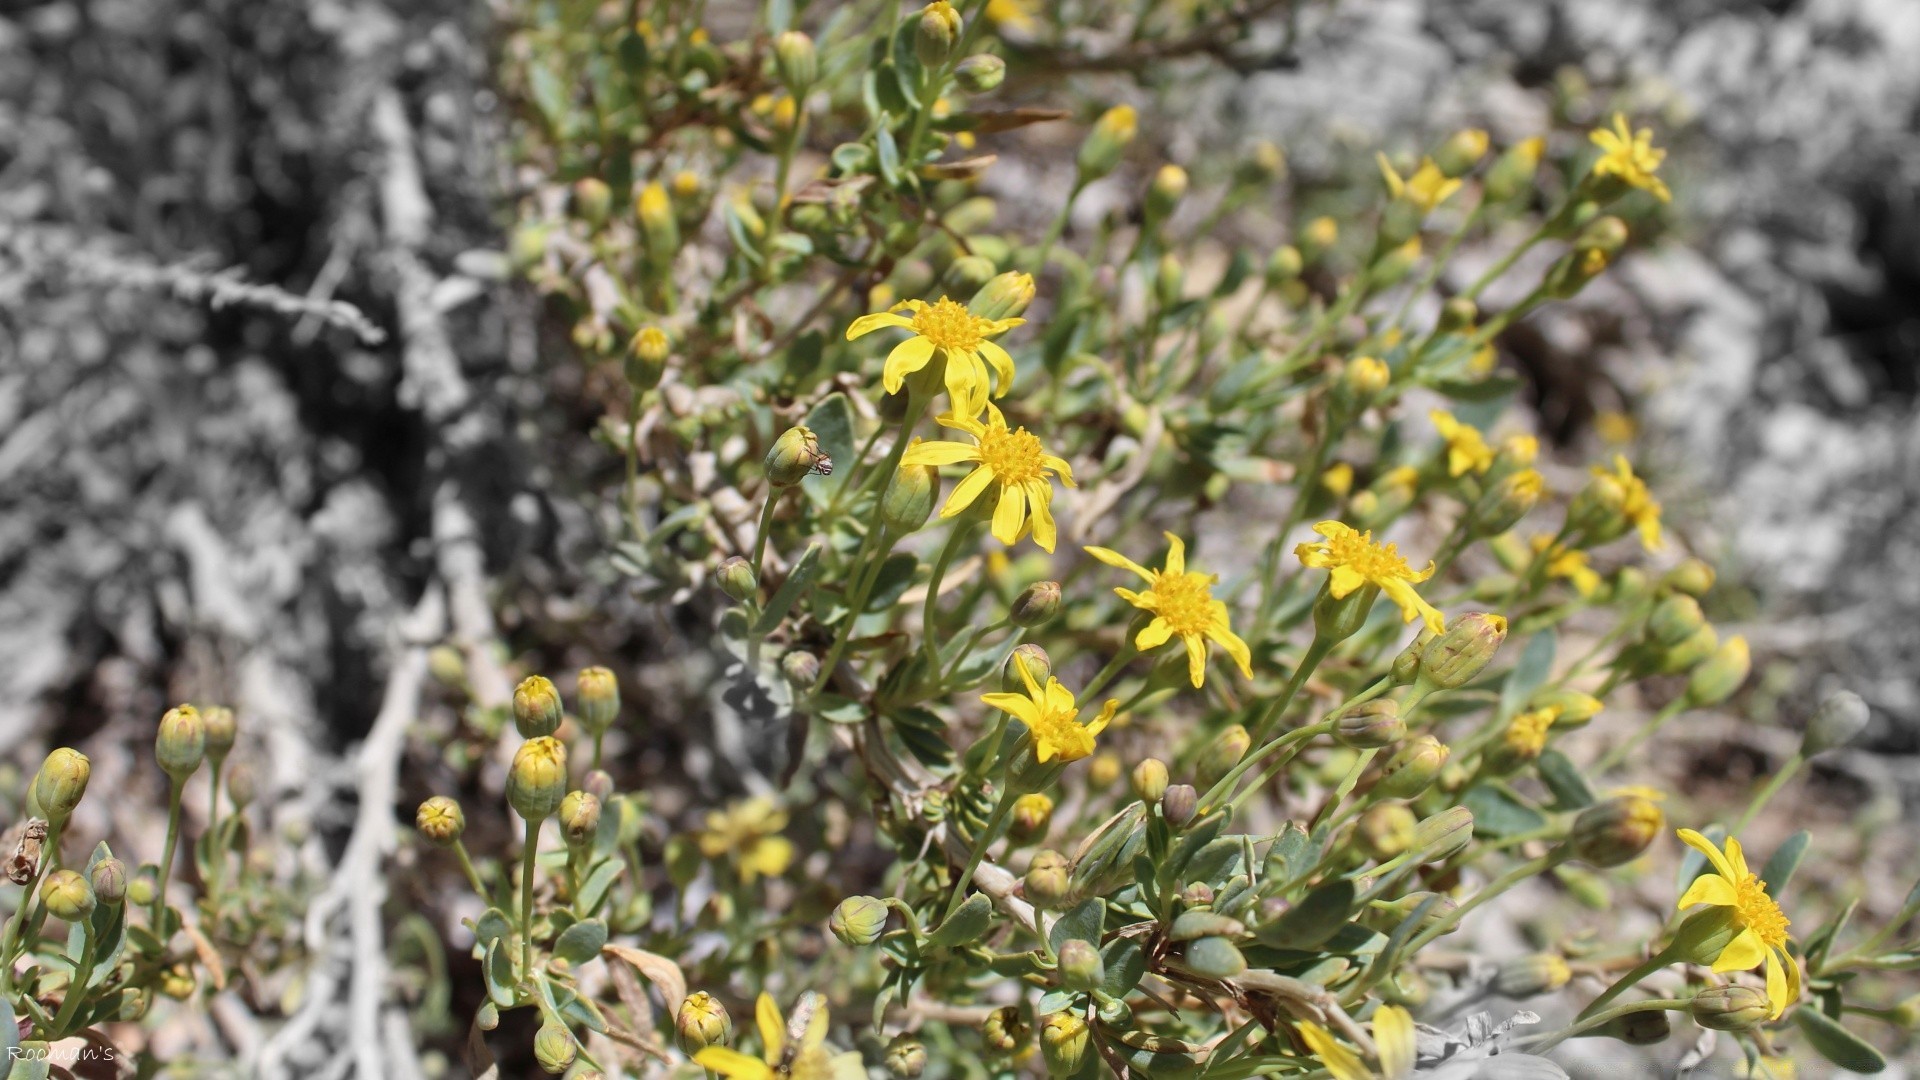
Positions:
{"x": 936, "y": 35}
{"x": 537, "y": 780}
{"x": 1169, "y": 280}
{"x": 592, "y": 200}
{"x": 1164, "y": 195}
{"x": 1283, "y": 265}
{"x": 1222, "y": 754}
{"x": 1693, "y": 576}
{"x": 908, "y": 500}
{"x": 1149, "y": 780}
{"x": 1177, "y": 806}
{"x": 1080, "y": 965}
{"x": 1385, "y": 830}
{"x": 440, "y": 820}
{"x": 1571, "y": 708}
{"x": 980, "y": 74}
{"x": 969, "y": 272}
{"x": 1513, "y": 173}
{"x": 61, "y": 783}
{"x": 109, "y": 880}
{"x": 1511, "y": 498}
{"x": 1103, "y": 770}
{"x": 1265, "y": 162}
{"x": 599, "y": 784}
{"x": 1729, "y": 1008}
{"x": 1032, "y": 814}
{"x": 1704, "y": 935}
{"x": 1031, "y": 657}
{"x": 1694, "y": 650}
{"x": 796, "y": 61}
{"x": 1840, "y": 718}
{"x": 598, "y": 696}
{"x": 1598, "y": 512}
{"x": 1064, "y": 1042}
{"x": 858, "y": 920}
{"x": 801, "y": 668}
{"x": 736, "y": 579}
{"x": 1615, "y": 831}
{"x": 182, "y": 743}
{"x": 580, "y": 818}
{"x": 553, "y": 1047}
{"x": 1004, "y": 297}
{"x": 1462, "y": 151}
{"x": 1385, "y": 916}
{"x": 1337, "y": 618}
{"x": 906, "y": 1058}
{"x": 1365, "y": 379}
{"x": 1036, "y": 604}
{"x": 1318, "y": 237}
{"x": 1046, "y": 883}
{"x": 1406, "y": 665}
{"x": 1454, "y": 658}
{"x": 657, "y": 224}
{"x": 1371, "y": 725}
{"x": 1215, "y": 958}
{"x": 701, "y": 1022}
{"x": 1389, "y": 269}
{"x": 536, "y": 707}
{"x": 1457, "y": 315}
{"x": 1106, "y": 142}
{"x": 222, "y": 731}
{"x": 1443, "y": 835}
{"x": 1717, "y": 677}
{"x": 1521, "y": 744}
{"x": 67, "y": 895}
{"x": 1413, "y": 768}
{"x": 1004, "y": 1030}
{"x": 140, "y": 891}
{"x": 1607, "y": 234}
{"x": 1531, "y": 976}
{"x": 178, "y": 983}
{"x": 796, "y": 455}
{"x": 647, "y": 359}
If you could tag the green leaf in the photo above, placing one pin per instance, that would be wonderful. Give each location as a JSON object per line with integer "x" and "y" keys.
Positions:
{"x": 1562, "y": 777}
{"x": 1198, "y": 835}
{"x": 1317, "y": 917}
{"x": 1785, "y": 860}
{"x": 895, "y": 577}
{"x": 966, "y": 924}
{"x": 1536, "y": 664}
{"x": 1126, "y": 965}
{"x": 1837, "y": 1044}
{"x": 493, "y": 926}
{"x": 790, "y": 590}
{"x": 581, "y": 942}
{"x": 1287, "y": 858}
{"x": 1496, "y": 813}
{"x": 1084, "y": 921}
{"x": 497, "y": 968}
{"x": 601, "y": 879}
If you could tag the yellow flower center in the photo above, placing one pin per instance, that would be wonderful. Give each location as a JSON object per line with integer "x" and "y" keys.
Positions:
{"x": 1013, "y": 456}
{"x": 1758, "y": 912}
{"x": 1377, "y": 563}
{"x": 1185, "y": 601}
{"x": 1060, "y": 729}
{"x": 948, "y": 324}
{"x": 1528, "y": 733}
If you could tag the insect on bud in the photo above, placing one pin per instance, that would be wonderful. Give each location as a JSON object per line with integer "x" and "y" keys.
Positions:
{"x": 222, "y": 731}
{"x": 858, "y": 920}
{"x": 109, "y": 880}
{"x": 1841, "y": 717}
{"x": 1531, "y": 976}
{"x": 1064, "y": 1040}
{"x": 736, "y": 579}
{"x": 1453, "y": 659}
{"x": 598, "y": 694}
{"x": 1031, "y": 657}
{"x": 796, "y": 61}
{"x": 67, "y": 895}
{"x": 1004, "y": 1030}
{"x": 579, "y": 817}
{"x": 701, "y": 1022}
{"x": 440, "y": 820}
{"x": 1080, "y": 965}
{"x": 1729, "y": 1008}
{"x": 61, "y": 783}
{"x": 936, "y": 35}
{"x": 182, "y": 743}
{"x": 647, "y": 359}
{"x": 1046, "y": 883}
{"x": 1615, "y": 831}
{"x": 1386, "y": 830}
{"x": 537, "y": 780}
{"x": 553, "y": 1047}
{"x": 1177, "y": 806}
{"x": 1149, "y": 780}
{"x": 1106, "y": 142}
{"x": 1005, "y": 297}
{"x": 1413, "y": 768}
{"x": 1717, "y": 677}
{"x": 796, "y": 455}
{"x": 1036, "y": 604}
{"x": 536, "y": 707}
{"x": 1031, "y": 816}
{"x": 980, "y": 74}
{"x": 1223, "y": 754}
{"x": 1370, "y": 726}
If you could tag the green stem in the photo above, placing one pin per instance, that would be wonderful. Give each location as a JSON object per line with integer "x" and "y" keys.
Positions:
{"x": 1315, "y": 653}
{"x": 1624, "y": 983}
{"x": 1058, "y": 227}
{"x": 930, "y": 610}
{"x": 766, "y": 526}
{"x": 988, "y": 835}
{"x": 76, "y": 989}
{"x": 1493, "y": 888}
{"x": 530, "y": 849}
{"x": 1541, "y": 1044}
{"x": 1620, "y": 753}
{"x": 28, "y": 896}
{"x": 466, "y": 863}
{"x": 1107, "y": 674}
{"x": 1497, "y": 270}
{"x": 1766, "y": 794}
{"x": 166, "y": 851}
{"x": 1232, "y": 778}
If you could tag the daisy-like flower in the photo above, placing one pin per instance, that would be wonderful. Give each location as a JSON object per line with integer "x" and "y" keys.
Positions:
{"x": 1013, "y": 459}
{"x": 1052, "y": 718}
{"x": 1763, "y": 926}
{"x": 945, "y": 326}
{"x": 1183, "y": 606}
{"x": 1639, "y": 505}
{"x": 1357, "y": 561}
{"x": 789, "y": 1050}
{"x": 748, "y": 834}
{"x": 1631, "y": 156}
{"x": 1427, "y": 188}
{"x": 1569, "y": 565}
{"x": 1467, "y": 449}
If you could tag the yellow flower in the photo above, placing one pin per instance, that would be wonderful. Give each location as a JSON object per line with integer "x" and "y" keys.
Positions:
{"x": 1183, "y": 606}
{"x": 1012, "y": 14}
{"x": 1569, "y": 565}
{"x": 945, "y": 326}
{"x": 1615, "y": 427}
{"x": 1763, "y": 927}
{"x": 786, "y": 1054}
{"x": 1356, "y": 561}
{"x": 1467, "y": 449}
{"x": 1631, "y": 156}
{"x": 1427, "y": 188}
{"x": 748, "y": 833}
{"x": 1526, "y": 734}
{"x": 1341, "y": 1063}
{"x": 1338, "y": 479}
{"x": 1052, "y": 718}
{"x": 1013, "y": 459}
{"x": 1638, "y": 505}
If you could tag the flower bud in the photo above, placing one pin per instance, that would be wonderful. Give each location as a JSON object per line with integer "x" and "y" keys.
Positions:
{"x": 736, "y": 579}
{"x": 182, "y": 743}
{"x": 1674, "y": 620}
{"x": 1164, "y": 195}
{"x": 61, "y": 783}
{"x": 1389, "y": 269}
{"x": 1149, "y": 780}
{"x": 1034, "y": 659}
{"x": 1444, "y": 834}
{"x": 647, "y": 359}
{"x": 1511, "y": 498}
{"x": 1004, "y": 1030}
{"x": 969, "y": 272}
{"x": 592, "y": 200}
{"x": 1337, "y": 618}
{"x": 1046, "y": 883}
{"x": 1222, "y": 754}
{"x": 1531, "y": 976}
{"x": 1169, "y": 280}
{"x": 1005, "y": 297}
{"x": 1704, "y": 935}
{"x": 1080, "y": 965}
{"x": 598, "y": 695}
{"x": 1606, "y": 234}
{"x": 67, "y": 895}
{"x": 1637, "y": 1029}
{"x": 1571, "y": 708}
{"x": 222, "y": 731}
{"x": 141, "y": 889}
{"x": 908, "y": 500}
{"x": 1513, "y": 172}
{"x": 1615, "y": 831}
{"x": 553, "y": 1047}
{"x": 658, "y": 227}
{"x": 1064, "y": 1041}
{"x": 1385, "y": 830}
{"x": 1215, "y": 958}
{"x": 1106, "y": 142}
{"x": 1461, "y": 152}
{"x": 1454, "y": 658}
{"x": 906, "y": 1057}
{"x": 1032, "y": 813}
{"x": 1103, "y": 770}
{"x": 580, "y": 818}
{"x": 795, "y": 455}
{"x": 796, "y": 61}
{"x": 1318, "y": 237}
{"x": 1695, "y": 650}
{"x": 1371, "y": 725}
{"x": 1694, "y": 577}
{"x": 1177, "y": 806}
{"x": 1521, "y": 744}
{"x": 1365, "y": 379}
{"x": 1412, "y": 769}
{"x": 1385, "y": 916}
{"x": 1265, "y": 162}
{"x": 1598, "y": 511}
{"x": 440, "y": 820}
{"x": 980, "y": 74}
{"x": 701, "y": 1022}
{"x": 1729, "y": 1008}
{"x": 178, "y": 983}
{"x": 1036, "y": 604}
{"x": 936, "y": 34}
{"x": 537, "y": 780}
{"x": 1283, "y": 265}
{"x": 1406, "y": 666}
{"x": 1841, "y": 717}
{"x": 1717, "y": 677}
{"x": 858, "y": 920}
{"x": 599, "y": 784}
{"x": 109, "y": 881}
{"x": 801, "y": 668}
{"x": 536, "y": 707}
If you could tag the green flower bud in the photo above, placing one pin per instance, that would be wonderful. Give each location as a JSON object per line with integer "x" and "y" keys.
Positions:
{"x": 1032, "y": 814}
{"x": 440, "y": 820}
{"x": 1215, "y": 958}
{"x": 1168, "y": 188}
{"x": 1371, "y": 725}
{"x": 1598, "y": 512}
{"x": 536, "y": 707}
{"x": 908, "y": 500}
{"x": 1004, "y": 1030}
{"x": 647, "y": 359}
{"x": 1513, "y": 172}
{"x": 1674, "y": 620}
{"x": 1106, "y": 142}
{"x": 1149, "y": 780}
{"x": 61, "y": 783}
{"x": 1064, "y": 1041}
{"x": 659, "y": 228}
{"x": 980, "y": 74}
{"x": 537, "y": 780}
{"x": 1385, "y": 916}
{"x": 737, "y": 580}
{"x": 1036, "y": 604}
{"x": 1606, "y": 234}
{"x": 1729, "y": 1008}
{"x": 1047, "y": 880}
{"x": 222, "y": 731}
{"x": 598, "y": 694}
{"x": 1571, "y": 708}
{"x": 1444, "y": 834}
{"x": 67, "y": 895}
{"x": 795, "y": 455}
{"x": 141, "y": 889}
{"x": 109, "y": 880}
{"x": 1841, "y": 717}
{"x": 1335, "y": 619}
{"x": 1005, "y": 297}
{"x": 969, "y": 272}
{"x": 1413, "y": 768}
{"x": 1637, "y": 1029}
{"x": 592, "y": 200}
{"x": 1317, "y": 237}
{"x": 1406, "y": 665}
{"x": 598, "y": 784}
{"x": 1454, "y": 658}
{"x": 1177, "y": 806}
{"x": 1510, "y": 499}
{"x": 1461, "y": 152}
{"x": 858, "y": 920}
{"x": 701, "y": 1022}
{"x": 1695, "y": 650}
{"x": 1265, "y": 163}
{"x": 1169, "y": 280}
{"x": 182, "y": 742}
{"x": 553, "y": 1047}
{"x": 1283, "y": 265}
{"x": 579, "y": 818}
{"x": 1531, "y": 976}
{"x": 1080, "y": 965}
{"x": 1694, "y": 577}
{"x": 1222, "y": 754}
{"x": 178, "y": 983}
{"x": 1034, "y": 659}
{"x": 1615, "y": 831}
{"x": 906, "y": 1057}
{"x": 796, "y": 62}
{"x": 1386, "y": 830}
{"x": 938, "y": 32}
{"x": 1717, "y": 677}
{"x": 801, "y": 668}
{"x": 1389, "y": 269}
{"x": 1704, "y": 935}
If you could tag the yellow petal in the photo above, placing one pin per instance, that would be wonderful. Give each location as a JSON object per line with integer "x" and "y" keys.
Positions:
{"x": 1017, "y": 704}
{"x": 1009, "y": 513}
{"x": 773, "y": 1030}
{"x": 906, "y": 358}
{"x": 1196, "y": 659}
{"x": 966, "y": 491}
{"x": 1153, "y": 635}
{"x": 939, "y": 453}
{"x": 1233, "y": 644}
{"x": 1394, "y": 1037}
{"x": 1341, "y": 1062}
{"x": 1176, "y": 555}
{"x": 1744, "y": 953}
{"x": 733, "y": 1063}
{"x": 867, "y": 324}
{"x": 1705, "y": 847}
{"x": 1040, "y": 514}
{"x": 1709, "y": 889}
{"x": 1002, "y": 366}
{"x": 1114, "y": 558}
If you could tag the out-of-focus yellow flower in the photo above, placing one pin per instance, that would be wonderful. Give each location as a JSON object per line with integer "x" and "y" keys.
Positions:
{"x": 1355, "y": 560}
{"x": 1427, "y": 188}
{"x": 1012, "y": 14}
{"x": 1763, "y": 926}
{"x": 1341, "y": 1063}
{"x": 809, "y": 1060}
{"x": 1639, "y": 505}
{"x": 1526, "y": 734}
{"x": 748, "y": 834}
{"x": 1338, "y": 479}
{"x": 1013, "y": 459}
{"x": 1522, "y": 450}
{"x": 1183, "y": 606}
{"x": 1467, "y": 449}
{"x": 946, "y": 326}
{"x": 1569, "y": 565}
{"x": 1615, "y": 427}
{"x": 1631, "y": 156}
{"x": 1052, "y": 718}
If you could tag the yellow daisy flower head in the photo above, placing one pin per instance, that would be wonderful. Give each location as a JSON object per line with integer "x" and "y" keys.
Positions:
{"x": 748, "y": 834}
{"x": 1638, "y": 503}
{"x": 1631, "y": 156}
{"x": 1014, "y": 460}
{"x": 790, "y": 1048}
{"x": 1052, "y": 718}
{"x": 1467, "y": 449}
{"x": 1427, "y": 188}
{"x": 1356, "y": 561}
{"x": 1763, "y": 926}
{"x": 1183, "y": 606}
{"x": 1012, "y": 14}
{"x": 945, "y": 326}
{"x": 1569, "y": 565}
